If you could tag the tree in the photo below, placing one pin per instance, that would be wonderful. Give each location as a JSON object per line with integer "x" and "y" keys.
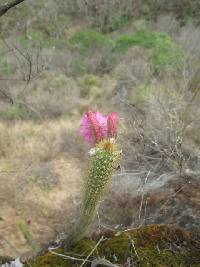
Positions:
{"x": 8, "y": 5}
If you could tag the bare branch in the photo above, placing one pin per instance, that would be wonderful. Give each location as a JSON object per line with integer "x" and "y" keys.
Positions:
{"x": 10, "y": 4}
{"x": 6, "y": 97}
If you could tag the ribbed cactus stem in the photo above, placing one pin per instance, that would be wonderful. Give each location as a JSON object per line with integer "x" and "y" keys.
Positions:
{"x": 103, "y": 161}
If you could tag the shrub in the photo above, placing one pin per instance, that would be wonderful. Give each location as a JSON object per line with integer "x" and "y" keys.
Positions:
{"x": 39, "y": 39}
{"x": 142, "y": 38}
{"x": 90, "y": 85}
{"x": 5, "y": 67}
{"x": 118, "y": 22}
{"x": 16, "y": 112}
{"x": 35, "y": 39}
{"x": 89, "y": 39}
{"x": 140, "y": 94}
{"x": 78, "y": 67}
{"x": 84, "y": 44}
{"x": 90, "y": 80}
{"x": 164, "y": 52}
{"x": 59, "y": 81}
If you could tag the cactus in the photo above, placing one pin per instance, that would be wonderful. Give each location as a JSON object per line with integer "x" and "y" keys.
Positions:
{"x": 104, "y": 159}
{"x": 29, "y": 237}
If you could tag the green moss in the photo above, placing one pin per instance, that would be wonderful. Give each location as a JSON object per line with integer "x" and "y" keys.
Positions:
{"x": 84, "y": 247}
{"x": 50, "y": 260}
{"x": 154, "y": 245}
{"x": 80, "y": 251}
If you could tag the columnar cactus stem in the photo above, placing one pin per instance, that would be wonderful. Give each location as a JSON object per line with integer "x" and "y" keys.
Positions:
{"x": 29, "y": 237}
{"x": 104, "y": 159}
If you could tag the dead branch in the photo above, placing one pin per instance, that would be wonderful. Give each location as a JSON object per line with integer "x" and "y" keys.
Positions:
{"x": 6, "y": 97}
{"x": 8, "y": 5}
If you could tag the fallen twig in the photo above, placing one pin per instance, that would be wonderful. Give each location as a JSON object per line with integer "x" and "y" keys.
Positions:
{"x": 91, "y": 252}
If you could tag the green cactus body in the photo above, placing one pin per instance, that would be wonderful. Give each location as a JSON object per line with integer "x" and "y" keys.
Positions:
{"x": 28, "y": 236}
{"x": 101, "y": 166}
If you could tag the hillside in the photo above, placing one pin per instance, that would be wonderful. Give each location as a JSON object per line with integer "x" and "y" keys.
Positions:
{"x": 59, "y": 59}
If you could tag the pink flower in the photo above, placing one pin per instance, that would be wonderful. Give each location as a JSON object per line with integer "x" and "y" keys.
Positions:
{"x": 112, "y": 124}
{"x": 96, "y": 127}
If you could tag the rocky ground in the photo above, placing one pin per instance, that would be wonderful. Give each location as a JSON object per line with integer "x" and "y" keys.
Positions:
{"x": 134, "y": 200}
{"x": 169, "y": 199}
{"x": 152, "y": 245}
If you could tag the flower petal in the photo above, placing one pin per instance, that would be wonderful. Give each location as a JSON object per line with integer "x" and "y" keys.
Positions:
{"x": 94, "y": 126}
{"x": 113, "y": 120}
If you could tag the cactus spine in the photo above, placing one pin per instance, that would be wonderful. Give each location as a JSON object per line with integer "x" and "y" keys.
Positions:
{"x": 104, "y": 159}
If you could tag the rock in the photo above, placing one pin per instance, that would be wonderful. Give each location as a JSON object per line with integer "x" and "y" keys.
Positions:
{"x": 153, "y": 245}
{"x": 168, "y": 200}
{"x": 14, "y": 263}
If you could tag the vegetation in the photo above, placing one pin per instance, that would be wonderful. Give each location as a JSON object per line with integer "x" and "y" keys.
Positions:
{"x": 5, "y": 67}
{"x": 146, "y": 246}
{"x": 163, "y": 52}
{"x": 88, "y": 40}
{"x": 59, "y": 59}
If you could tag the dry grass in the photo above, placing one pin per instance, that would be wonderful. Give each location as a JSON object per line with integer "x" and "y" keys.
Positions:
{"x": 42, "y": 160}
{"x": 42, "y": 163}
{"x": 40, "y": 179}
{"x": 51, "y": 206}
{"x": 159, "y": 138}
{"x": 37, "y": 142}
